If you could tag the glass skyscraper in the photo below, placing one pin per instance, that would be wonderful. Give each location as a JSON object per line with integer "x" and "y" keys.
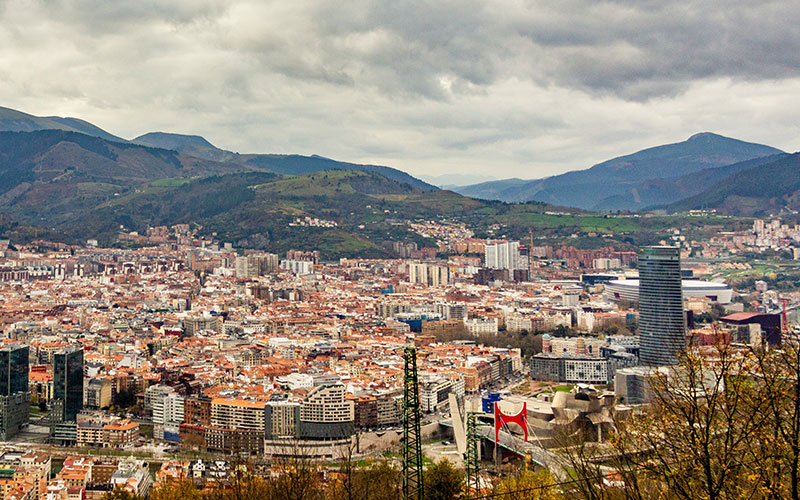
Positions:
{"x": 13, "y": 369}
{"x": 68, "y": 382}
{"x": 14, "y": 395}
{"x": 662, "y": 328}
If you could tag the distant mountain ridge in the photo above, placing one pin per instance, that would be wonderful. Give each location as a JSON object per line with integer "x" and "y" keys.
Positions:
{"x": 660, "y": 191}
{"x": 196, "y": 146}
{"x": 69, "y": 186}
{"x": 290, "y": 164}
{"x": 627, "y": 182}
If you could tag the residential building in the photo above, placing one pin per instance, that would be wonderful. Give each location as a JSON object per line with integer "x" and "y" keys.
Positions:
{"x": 427, "y": 273}
{"x": 196, "y": 323}
{"x": 106, "y": 432}
{"x": 298, "y": 266}
{"x": 97, "y": 393}
{"x": 480, "y": 326}
{"x": 569, "y": 369}
{"x": 326, "y": 413}
{"x": 504, "y": 255}
{"x": 237, "y": 426}
{"x": 282, "y": 419}
{"x": 134, "y": 476}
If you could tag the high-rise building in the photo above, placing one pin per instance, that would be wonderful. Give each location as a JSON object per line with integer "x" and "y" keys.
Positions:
{"x": 14, "y": 395}
{"x": 13, "y": 369}
{"x": 253, "y": 265}
{"x": 662, "y": 328}
{"x": 68, "y": 382}
{"x": 504, "y": 255}
{"x": 429, "y": 274}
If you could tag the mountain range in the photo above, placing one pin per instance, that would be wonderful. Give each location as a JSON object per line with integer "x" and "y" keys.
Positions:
{"x": 67, "y": 178}
{"x": 653, "y": 176}
{"x": 198, "y": 147}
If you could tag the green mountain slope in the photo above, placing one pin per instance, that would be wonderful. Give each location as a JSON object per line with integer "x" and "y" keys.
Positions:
{"x": 194, "y": 145}
{"x": 53, "y": 175}
{"x": 761, "y": 190}
{"x": 261, "y": 209}
{"x": 361, "y": 210}
{"x": 615, "y": 182}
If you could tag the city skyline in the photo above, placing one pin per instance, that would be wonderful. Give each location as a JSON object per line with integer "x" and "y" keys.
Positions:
{"x": 453, "y": 249}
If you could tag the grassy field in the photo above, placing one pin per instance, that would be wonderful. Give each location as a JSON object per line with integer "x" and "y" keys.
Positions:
{"x": 584, "y": 223}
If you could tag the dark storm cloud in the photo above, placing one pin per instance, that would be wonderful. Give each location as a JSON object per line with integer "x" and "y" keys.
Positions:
{"x": 633, "y": 49}
{"x": 524, "y": 88}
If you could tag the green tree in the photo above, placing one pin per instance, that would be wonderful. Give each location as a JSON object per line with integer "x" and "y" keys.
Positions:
{"x": 377, "y": 481}
{"x": 125, "y": 398}
{"x": 444, "y": 482}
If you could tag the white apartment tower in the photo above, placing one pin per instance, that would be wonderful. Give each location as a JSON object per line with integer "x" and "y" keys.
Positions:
{"x": 503, "y": 255}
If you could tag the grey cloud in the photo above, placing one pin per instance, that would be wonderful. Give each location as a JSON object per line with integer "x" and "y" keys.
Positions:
{"x": 636, "y": 50}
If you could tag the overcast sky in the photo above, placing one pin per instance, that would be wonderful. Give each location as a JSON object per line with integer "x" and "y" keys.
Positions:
{"x": 499, "y": 88}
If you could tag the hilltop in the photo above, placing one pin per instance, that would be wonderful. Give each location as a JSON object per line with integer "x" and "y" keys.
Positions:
{"x": 629, "y": 182}
{"x": 12, "y": 120}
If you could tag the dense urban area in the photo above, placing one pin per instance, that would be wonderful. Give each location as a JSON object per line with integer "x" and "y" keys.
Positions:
{"x": 476, "y": 367}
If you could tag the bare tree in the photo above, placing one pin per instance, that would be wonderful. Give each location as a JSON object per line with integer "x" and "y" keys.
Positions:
{"x": 776, "y": 455}
{"x": 695, "y": 439}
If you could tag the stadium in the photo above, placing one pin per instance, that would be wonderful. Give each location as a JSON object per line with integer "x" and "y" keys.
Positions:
{"x": 617, "y": 290}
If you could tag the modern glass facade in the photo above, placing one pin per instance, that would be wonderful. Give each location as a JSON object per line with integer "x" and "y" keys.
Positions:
{"x": 14, "y": 396}
{"x": 662, "y": 328}
{"x": 68, "y": 381}
{"x": 13, "y": 369}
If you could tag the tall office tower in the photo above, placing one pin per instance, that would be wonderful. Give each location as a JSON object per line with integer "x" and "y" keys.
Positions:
{"x": 68, "y": 382}
{"x": 14, "y": 395}
{"x": 503, "y": 255}
{"x": 662, "y": 328}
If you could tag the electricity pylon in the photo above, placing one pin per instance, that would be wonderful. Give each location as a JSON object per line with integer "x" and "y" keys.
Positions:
{"x": 472, "y": 458}
{"x": 412, "y": 435}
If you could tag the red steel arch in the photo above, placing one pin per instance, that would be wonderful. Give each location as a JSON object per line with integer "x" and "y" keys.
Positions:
{"x": 501, "y": 419}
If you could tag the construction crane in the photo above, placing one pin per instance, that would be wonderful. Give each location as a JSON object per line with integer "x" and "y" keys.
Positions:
{"x": 412, "y": 434}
